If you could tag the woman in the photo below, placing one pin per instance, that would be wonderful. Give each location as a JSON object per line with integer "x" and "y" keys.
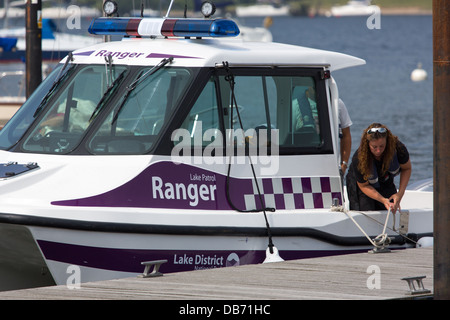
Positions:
{"x": 370, "y": 180}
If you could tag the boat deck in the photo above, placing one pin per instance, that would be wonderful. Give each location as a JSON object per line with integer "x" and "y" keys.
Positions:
{"x": 346, "y": 277}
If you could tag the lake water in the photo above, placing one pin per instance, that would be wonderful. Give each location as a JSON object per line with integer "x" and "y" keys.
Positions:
{"x": 380, "y": 91}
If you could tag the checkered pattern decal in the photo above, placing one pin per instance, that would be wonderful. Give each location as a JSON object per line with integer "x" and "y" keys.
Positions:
{"x": 295, "y": 193}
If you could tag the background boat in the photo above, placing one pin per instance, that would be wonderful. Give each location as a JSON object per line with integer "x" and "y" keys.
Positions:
{"x": 263, "y": 10}
{"x": 55, "y": 44}
{"x": 353, "y": 8}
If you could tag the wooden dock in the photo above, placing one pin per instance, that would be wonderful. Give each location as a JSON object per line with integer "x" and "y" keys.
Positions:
{"x": 347, "y": 277}
{"x": 6, "y": 112}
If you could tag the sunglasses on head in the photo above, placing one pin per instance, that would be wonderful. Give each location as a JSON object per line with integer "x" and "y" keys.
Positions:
{"x": 375, "y": 130}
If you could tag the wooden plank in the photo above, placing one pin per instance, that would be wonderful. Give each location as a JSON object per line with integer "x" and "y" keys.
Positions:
{"x": 336, "y": 277}
{"x": 6, "y": 112}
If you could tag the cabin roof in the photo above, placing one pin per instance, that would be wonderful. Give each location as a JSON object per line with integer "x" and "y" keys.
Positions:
{"x": 210, "y": 52}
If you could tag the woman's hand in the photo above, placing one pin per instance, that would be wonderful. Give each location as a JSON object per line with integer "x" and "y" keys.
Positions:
{"x": 395, "y": 200}
{"x": 388, "y": 204}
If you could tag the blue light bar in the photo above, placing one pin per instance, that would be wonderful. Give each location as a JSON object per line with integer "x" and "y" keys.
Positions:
{"x": 164, "y": 27}
{"x": 224, "y": 28}
{"x": 115, "y": 26}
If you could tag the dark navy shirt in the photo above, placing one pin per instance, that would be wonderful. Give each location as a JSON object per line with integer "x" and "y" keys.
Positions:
{"x": 383, "y": 178}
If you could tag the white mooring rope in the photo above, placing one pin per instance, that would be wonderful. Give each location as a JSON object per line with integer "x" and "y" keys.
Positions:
{"x": 381, "y": 240}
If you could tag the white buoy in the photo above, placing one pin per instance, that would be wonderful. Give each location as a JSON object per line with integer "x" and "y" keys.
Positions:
{"x": 272, "y": 257}
{"x": 418, "y": 74}
{"x": 424, "y": 242}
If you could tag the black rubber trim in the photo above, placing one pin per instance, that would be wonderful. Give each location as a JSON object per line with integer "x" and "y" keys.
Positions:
{"x": 197, "y": 230}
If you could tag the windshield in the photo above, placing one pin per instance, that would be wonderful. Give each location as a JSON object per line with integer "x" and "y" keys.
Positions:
{"x": 133, "y": 125}
{"x": 98, "y": 109}
{"x": 69, "y": 111}
{"x": 117, "y": 110}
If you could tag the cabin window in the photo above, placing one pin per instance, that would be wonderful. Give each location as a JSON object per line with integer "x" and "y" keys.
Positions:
{"x": 304, "y": 128}
{"x": 138, "y": 117}
{"x": 201, "y": 127}
{"x": 256, "y": 100}
{"x": 286, "y": 104}
{"x": 69, "y": 113}
{"x": 243, "y": 113}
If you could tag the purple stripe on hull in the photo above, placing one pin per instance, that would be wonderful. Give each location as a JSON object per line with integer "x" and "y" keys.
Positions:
{"x": 180, "y": 186}
{"x": 167, "y": 185}
{"x": 129, "y": 260}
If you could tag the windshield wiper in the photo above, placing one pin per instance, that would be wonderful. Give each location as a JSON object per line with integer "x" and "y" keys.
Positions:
{"x": 134, "y": 84}
{"x": 106, "y": 94}
{"x": 55, "y": 84}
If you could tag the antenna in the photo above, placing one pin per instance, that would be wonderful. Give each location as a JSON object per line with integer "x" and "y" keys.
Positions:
{"x": 168, "y": 10}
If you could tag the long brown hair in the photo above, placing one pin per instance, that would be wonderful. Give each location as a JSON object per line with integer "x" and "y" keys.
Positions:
{"x": 365, "y": 156}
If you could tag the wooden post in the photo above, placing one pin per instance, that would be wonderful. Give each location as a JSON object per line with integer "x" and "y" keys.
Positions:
{"x": 441, "y": 147}
{"x": 33, "y": 55}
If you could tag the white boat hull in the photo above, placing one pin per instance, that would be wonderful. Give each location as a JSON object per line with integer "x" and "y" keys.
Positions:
{"x": 108, "y": 231}
{"x": 102, "y": 255}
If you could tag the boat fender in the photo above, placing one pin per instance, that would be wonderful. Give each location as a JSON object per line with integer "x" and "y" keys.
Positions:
{"x": 272, "y": 256}
{"x": 424, "y": 242}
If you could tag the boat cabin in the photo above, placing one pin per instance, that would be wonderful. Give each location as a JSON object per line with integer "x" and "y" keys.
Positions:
{"x": 201, "y": 101}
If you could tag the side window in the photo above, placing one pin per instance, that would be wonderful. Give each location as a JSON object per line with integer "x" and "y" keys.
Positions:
{"x": 304, "y": 108}
{"x": 202, "y": 121}
{"x": 287, "y": 104}
{"x": 256, "y": 98}
{"x": 305, "y": 125}
{"x": 254, "y": 107}
{"x": 259, "y": 111}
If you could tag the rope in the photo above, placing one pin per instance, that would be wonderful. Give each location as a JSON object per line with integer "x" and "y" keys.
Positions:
{"x": 392, "y": 229}
{"x": 361, "y": 229}
{"x": 380, "y": 238}
{"x": 379, "y": 241}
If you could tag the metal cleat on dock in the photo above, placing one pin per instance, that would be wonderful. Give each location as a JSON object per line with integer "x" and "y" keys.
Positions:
{"x": 381, "y": 244}
{"x": 379, "y": 250}
{"x": 412, "y": 287}
{"x": 155, "y": 272}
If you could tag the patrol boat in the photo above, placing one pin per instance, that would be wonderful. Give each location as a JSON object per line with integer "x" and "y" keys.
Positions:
{"x": 183, "y": 145}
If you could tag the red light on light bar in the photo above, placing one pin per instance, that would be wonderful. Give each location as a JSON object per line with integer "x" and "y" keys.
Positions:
{"x": 132, "y": 27}
{"x": 167, "y": 27}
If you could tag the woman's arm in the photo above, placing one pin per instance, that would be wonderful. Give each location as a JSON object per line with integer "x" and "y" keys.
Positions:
{"x": 405, "y": 174}
{"x": 371, "y": 192}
